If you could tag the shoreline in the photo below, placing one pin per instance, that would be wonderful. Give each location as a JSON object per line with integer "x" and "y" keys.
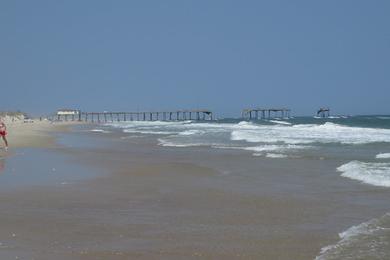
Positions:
{"x": 38, "y": 134}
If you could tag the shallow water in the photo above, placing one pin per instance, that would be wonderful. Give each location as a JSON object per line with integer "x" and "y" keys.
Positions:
{"x": 353, "y": 147}
{"x": 29, "y": 167}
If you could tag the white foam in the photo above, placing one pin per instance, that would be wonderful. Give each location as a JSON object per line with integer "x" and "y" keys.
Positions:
{"x": 273, "y": 148}
{"x": 163, "y": 142}
{"x": 279, "y": 137}
{"x": 383, "y": 156}
{"x": 140, "y": 131}
{"x": 192, "y": 132}
{"x": 276, "y": 155}
{"x": 130, "y": 137}
{"x": 257, "y": 154}
{"x": 377, "y": 174}
{"x": 368, "y": 240}
{"x": 312, "y": 133}
{"x": 131, "y": 124}
{"x": 280, "y": 122}
{"x": 100, "y": 131}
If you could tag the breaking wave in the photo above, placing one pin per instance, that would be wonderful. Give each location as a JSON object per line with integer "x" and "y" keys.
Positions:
{"x": 100, "y": 131}
{"x": 312, "y": 133}
{"x": 373, "y": 173}
{"x": 268, "y": 136}
{"x": 383, "y": 156}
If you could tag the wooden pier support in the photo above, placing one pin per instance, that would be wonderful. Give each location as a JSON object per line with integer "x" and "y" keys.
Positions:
{"x": 266, "y": 113}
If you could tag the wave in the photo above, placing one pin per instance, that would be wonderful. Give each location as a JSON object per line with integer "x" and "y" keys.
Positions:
{"x": 192, "y": 132}
{"x": 383, "y": 117}
{"x": 383, "y": 156}
{"x": 132, "y": 124}
{"x": 273, "y": 148}
{"x": 368, "y": 240}
{"x": 280, "y": 122}
{"x": 312, "y": 133}
{"x": 282, "y": 134}
{"x": 100, "y": 131}
{"x": 377, "y": 174}
{"x": 275, "y": 155}
{"x": 163, "y": 142}
{"x": 169, "y": 143}
{"x": 140, "y": 131}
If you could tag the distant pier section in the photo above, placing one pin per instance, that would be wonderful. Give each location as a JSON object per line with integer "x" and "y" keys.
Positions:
{"x": 106, "y": 116}
{"x": 323, "y": 112}
{"x": 266, "y": 113}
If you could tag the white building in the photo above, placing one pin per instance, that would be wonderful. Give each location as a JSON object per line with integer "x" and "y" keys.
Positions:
{"x": 68, "y": 112}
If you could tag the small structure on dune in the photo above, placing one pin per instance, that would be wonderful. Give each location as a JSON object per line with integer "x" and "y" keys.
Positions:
{"x": 12, "y": 116}
{"x": 323, "y": 112}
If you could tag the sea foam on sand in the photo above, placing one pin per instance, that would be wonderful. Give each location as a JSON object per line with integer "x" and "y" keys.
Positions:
{"x": 377, "y": 174}
{"x": 368, "y": 240}
{"x": 276, "y": 155}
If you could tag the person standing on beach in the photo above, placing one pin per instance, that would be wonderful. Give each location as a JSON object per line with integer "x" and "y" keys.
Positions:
{"x": 3, "y": 133}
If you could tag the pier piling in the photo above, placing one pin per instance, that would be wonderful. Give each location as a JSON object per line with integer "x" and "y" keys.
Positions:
{"x": 323, "y": 112}
{"x": 265, "y": 113}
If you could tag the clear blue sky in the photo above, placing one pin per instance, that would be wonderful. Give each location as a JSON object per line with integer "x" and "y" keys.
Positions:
{"x": 222, "y": 55}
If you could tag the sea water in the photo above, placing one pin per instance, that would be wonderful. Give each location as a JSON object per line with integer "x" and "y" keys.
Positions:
{"x": 360, "y": 143}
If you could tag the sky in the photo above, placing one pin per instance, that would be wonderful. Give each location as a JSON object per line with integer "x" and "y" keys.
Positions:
{"x": 220, "y": 55}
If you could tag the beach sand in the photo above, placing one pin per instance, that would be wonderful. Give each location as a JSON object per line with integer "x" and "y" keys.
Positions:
{"x": 162, "y": 210}
{"x": 36, "y": 134}
{"x": 138, "y": 209}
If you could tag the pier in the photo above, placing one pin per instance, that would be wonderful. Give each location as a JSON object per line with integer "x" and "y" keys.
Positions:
{"x": 323, "y": 112}
{"x": 266, "y": 113}
{"x": 178, "y": 115}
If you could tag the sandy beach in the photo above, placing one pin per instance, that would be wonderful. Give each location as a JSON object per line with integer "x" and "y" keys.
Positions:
{"x": 35, "y": 134}
{"x": 137, "y": 211}
{"x": 141, "y": 210}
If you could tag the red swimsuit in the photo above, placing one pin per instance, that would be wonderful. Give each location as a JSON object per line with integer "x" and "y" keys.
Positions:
{"x": 3, "y": 130}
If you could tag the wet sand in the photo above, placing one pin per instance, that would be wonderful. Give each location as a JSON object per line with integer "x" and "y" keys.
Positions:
{"x": 151, "y": 202}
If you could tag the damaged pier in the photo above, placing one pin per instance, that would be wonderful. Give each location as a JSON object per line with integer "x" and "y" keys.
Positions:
{"x": 323, "y": 112}
{"x": 266, "y": 113}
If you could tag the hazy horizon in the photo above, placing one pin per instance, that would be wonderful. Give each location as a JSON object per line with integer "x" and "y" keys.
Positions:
{"x": 219, "y": 55}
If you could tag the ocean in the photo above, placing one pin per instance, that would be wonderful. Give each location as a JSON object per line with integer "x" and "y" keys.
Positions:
{"x": 364, "y": 138}
{"x": 354, "y": 149}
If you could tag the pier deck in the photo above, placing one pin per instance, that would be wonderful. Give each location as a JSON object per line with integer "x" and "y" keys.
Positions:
{"x": 178, "y": 115}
